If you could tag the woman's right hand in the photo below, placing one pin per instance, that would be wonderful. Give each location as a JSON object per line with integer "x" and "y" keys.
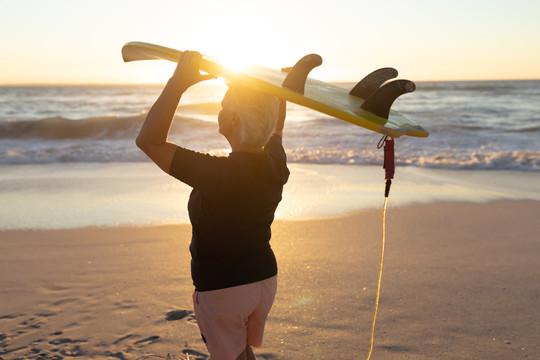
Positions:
{"x": 187, "y": 71}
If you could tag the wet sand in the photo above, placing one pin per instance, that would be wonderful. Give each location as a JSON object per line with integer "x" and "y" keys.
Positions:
{"x": 460, "y": 282}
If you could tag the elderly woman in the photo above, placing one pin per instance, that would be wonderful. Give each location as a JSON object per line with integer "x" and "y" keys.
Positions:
{"x": 231, "y": 208}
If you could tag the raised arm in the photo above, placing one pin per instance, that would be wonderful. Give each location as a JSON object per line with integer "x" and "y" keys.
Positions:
{"x": 278, "y": 130}
{"x": 152, "y": 138}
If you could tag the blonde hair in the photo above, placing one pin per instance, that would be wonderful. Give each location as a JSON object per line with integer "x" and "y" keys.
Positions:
{"x": 257, "y": 113}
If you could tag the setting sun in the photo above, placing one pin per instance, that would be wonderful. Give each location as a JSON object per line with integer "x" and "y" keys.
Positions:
{"x": 241, "y": 40}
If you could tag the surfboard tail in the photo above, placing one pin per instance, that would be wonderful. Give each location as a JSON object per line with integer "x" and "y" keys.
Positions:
{"x": 380, "y": 102}
{"x": 297, "y": 75}
{"x": 372, "y": 82}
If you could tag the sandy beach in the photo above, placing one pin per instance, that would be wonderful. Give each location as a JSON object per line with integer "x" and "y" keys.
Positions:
{"x": 460, "y": 282}
{"x": 94, "y": 237}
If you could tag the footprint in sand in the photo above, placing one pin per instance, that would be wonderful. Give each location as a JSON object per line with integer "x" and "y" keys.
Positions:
{"x": 126, "y": 304}
{"x": 32, "y": 323}
{"x": 10, "y": 316}
{"x": 129, "y": 336}
{"x": 41, "y": 348}
{"x": 15, "y": 325}
{"x": 66, "y": 341}
{"x": 177, "y": 314}
{"x": 117, "y": 355}
{"x": 138, "y": 343}
{"x": 148, "y": 340}
{"x": 132, "y": 345}
{"x": 266, "y": 356}
{"x": 181, "y": 314}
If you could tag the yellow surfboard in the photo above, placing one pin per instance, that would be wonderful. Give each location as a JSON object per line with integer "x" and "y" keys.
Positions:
{"x": 367, "y": 105}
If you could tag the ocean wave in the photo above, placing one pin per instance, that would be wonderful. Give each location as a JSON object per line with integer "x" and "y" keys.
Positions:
{"x": 496, "y": 86}
{"x": 472, "y": 160}
{"x": 329, "y": 151}
{"x": 526, "y": 129}
{"x": 63, "y": 128}
{"x": 97, "y": 128}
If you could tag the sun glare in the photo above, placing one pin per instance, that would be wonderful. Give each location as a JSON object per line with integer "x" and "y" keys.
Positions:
{"x": 237, "y": 36}
{"x": 240, "y": 41}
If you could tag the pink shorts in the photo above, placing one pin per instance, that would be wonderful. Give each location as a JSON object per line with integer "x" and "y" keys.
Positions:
{"x": 231, "y": 318}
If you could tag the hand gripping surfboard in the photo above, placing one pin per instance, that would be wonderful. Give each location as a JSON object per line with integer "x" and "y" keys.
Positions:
{"x": 368, "y": 104}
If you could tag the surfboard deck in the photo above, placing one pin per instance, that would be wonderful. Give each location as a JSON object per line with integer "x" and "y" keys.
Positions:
{"x": 329, "y": 99}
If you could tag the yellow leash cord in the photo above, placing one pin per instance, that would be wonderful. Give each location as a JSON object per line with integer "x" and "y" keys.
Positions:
{"x": 380, "y": 278}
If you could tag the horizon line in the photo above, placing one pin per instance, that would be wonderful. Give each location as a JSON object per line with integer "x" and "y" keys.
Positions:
{"x": 85, "y": 83}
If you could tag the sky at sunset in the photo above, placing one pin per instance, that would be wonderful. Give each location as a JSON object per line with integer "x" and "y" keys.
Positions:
{"x": 61, "y": 41}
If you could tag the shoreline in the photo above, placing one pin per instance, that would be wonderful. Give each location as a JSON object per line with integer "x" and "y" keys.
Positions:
{"x": 80, "y": 195}
{"x": 300, "y": 220}
{"x": 454, "y": 275}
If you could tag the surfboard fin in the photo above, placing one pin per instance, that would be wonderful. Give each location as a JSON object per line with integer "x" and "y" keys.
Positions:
{"x": 381, "y": 100}
{"x": 297, "y": 75}
{"x": 373, "y": 81}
